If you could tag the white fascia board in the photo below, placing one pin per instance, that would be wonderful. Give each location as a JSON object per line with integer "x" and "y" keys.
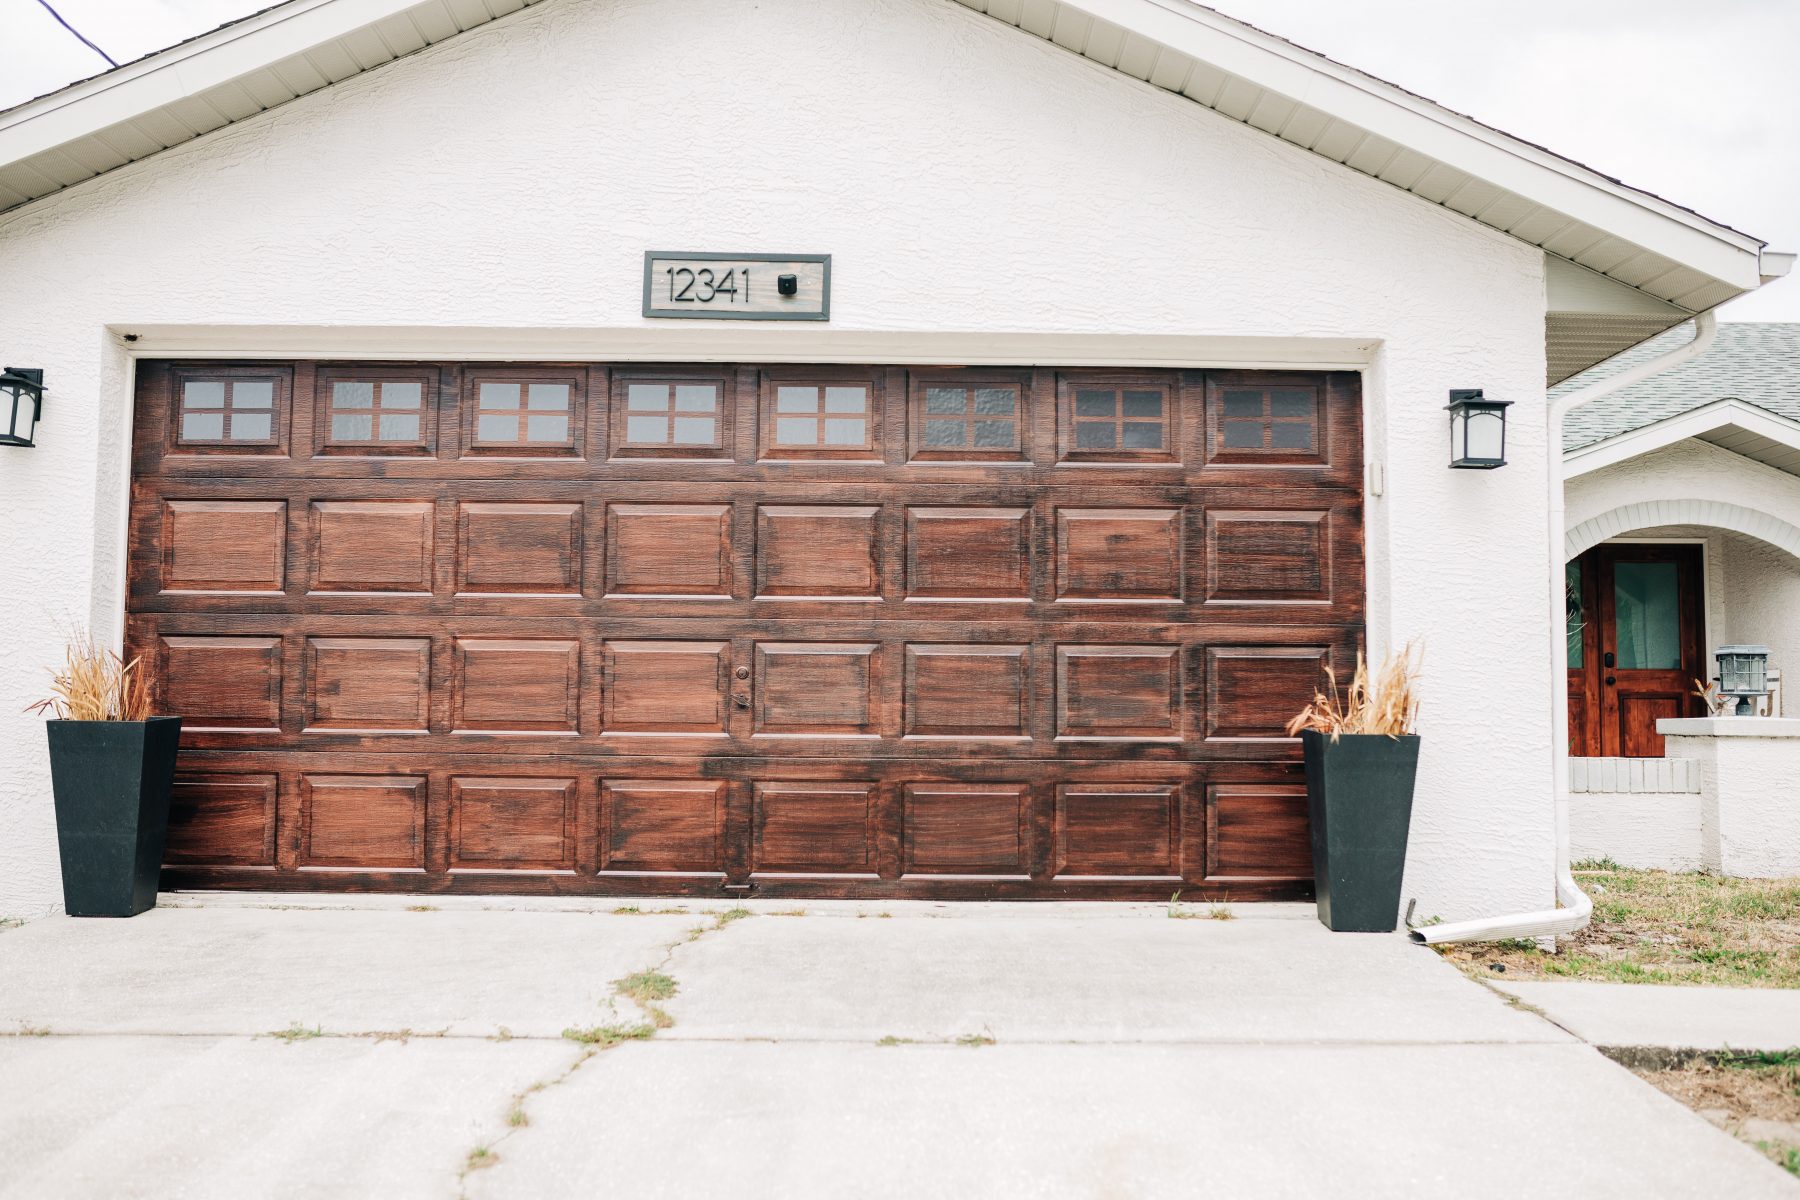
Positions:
{"x": 1418, "y": 124}
{"x": 1679, "y": 428}
{"x": 182, "y": 71}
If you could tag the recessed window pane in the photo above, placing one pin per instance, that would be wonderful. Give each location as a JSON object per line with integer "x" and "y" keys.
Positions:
{"x": 994, "y": 402}
{"x": 253, "y": 393}
{"x": 249, "y": 426}
{"x": 1095, "y": 404}
{"x": 945, "y": 433}
{"x": 846, "y": 400}
{"x": 203, "y": 426}
{"x": 1291, "y": 436}
{"x": 1143, "y": 404}
{"x": 490, "y": 427}
{"x": 399, "y": 427}
{"x": 797, "y": 400}
{"x": 647, "y": 431}
{"x": 1093, "y": 435}
{"x": 945, "y": 400}
{"x": 1243, "y": 404}
{"x": 693, "y": 431}
{"x": 1577, "y": 618}
{"x": 1647, "y": 615}
{"x": 351, "y": 427}
{"x": 647, "y": 397}
{"x": 549, "y": 427}
{"x": 547, "y": 396}
{"x": 399, "y": 395}
{"x": 498, "y": 395}
{"x": 994, "y": 435}
{"x": 352, "y": 395}
{"x": 796, "y": 431}
{"x": 1141, "y": 435}
{"x": 696, "y": 397}
{"x": 844, "y": 431}
{"x": 203, "y": 394}
{"x": 1290, "y": 402}
{"x": 1243, "y": 435}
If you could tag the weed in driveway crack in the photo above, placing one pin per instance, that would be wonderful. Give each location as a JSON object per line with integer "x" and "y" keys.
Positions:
{"x": 644, "y": 989}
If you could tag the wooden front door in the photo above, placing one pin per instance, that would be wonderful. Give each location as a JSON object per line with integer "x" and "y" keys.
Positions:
{"x": 1635, "y": 646}
{"x": 707, "y": 629}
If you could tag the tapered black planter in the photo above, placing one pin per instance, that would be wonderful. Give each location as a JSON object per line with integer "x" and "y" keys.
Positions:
{"x": 1359, "y": 791}
{"x": 111, "y": 780}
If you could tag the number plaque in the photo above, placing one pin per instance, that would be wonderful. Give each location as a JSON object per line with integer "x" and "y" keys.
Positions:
{"x": 738, "y": 287}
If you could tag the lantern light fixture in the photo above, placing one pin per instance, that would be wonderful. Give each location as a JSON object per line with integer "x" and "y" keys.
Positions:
{"x": 21, "y": 404}
{"x": 1744, "y": 673}
{"x": 1477, "y": 430}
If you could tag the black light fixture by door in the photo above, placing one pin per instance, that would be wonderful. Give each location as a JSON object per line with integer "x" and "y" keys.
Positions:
{"x": 1477, "y": 430}
{"x": 21, "y": 404}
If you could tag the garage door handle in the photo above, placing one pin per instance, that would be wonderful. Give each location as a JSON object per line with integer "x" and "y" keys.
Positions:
{"x": 741, "y": 701}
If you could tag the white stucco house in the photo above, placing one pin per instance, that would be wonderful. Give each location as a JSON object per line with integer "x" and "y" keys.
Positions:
{"x": 1683, "y": 535}
{"x": 883, "y": 448}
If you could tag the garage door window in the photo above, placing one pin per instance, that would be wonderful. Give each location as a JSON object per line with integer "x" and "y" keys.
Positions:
{"x": 215, "y": 411}
{"x": 1122, "y": 422}
{"x": 827, "y": 419}
{"x": 977, "y": 420}
{"x": 522, "y": 414}
{"x": 376, "y": 412}
{"x": 669, "y": 417}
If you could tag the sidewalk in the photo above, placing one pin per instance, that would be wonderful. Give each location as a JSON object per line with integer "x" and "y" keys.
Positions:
{"x": 1638, "y": 1015}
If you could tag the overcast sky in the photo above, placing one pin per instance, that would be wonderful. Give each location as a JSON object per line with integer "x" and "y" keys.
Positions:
{"x": 1698, "y": 102}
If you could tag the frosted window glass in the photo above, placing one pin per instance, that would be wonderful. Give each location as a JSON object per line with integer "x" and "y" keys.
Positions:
{"x": 647, "y": 397}
{"x": 797, "y": 431}
{"x": 994, "y": 435}
{"x": 350, "y": 427}
{"x": 647, "y": 431}
{"x": 994, "y": 402}
{"x": 693, "y": 431}
{"x": 844, "y": 431}
{"x": 1290, "y": 402}
{"x": 203, "y": 394}
{"x": 696, "y": 397}
{"x": 1092, "y": 435}
{"x": 498, "y": 395}
{"x": 1243, "y": 404}
{"x": 548, "y": 396}
{"x": 1291, "y": 436}
{"x": 944, "y": 400}
{"x": 1647, "y": 616}
{"x": 1577, "y": 618}
{"x": 1095, "y": 404}
{"x": 203, "y": 426}
{"x": 1142, "y": 436}
{"x": 253, "y": 393}
{"x": 399, "y": 427}
{"x": 945, "y": 433}
{"x": 249, "y": 426}
{"x": 552, "y": 427}
{"x": 492, "y": 428}
{"x": 1143, "y": 404}
{"x": 352, "y": 395}
{"x": 399, "y": 395}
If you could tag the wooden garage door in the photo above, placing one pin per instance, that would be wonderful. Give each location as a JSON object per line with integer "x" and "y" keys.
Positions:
{"x": 713, "y": 630}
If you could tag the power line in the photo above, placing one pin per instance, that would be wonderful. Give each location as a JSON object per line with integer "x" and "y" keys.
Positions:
{"x": 77, "y": 33}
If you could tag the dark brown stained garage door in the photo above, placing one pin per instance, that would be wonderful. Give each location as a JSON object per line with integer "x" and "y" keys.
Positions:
{"x": 708, "y": 630}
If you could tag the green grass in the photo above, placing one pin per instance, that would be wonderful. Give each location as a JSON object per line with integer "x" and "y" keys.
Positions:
{"x": 1663, "y": 927}
{"x": 608, "y": 1036}
{"x": 298, "y": 1033}
{"x": 974, "y": 1040}
{"x": 646, "y": 986}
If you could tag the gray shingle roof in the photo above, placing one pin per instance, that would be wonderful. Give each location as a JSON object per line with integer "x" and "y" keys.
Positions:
{"x": 1755, "y": 361}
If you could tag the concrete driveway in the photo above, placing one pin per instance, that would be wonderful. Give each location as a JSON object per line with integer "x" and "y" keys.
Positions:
{"x": 231, "y": 1048}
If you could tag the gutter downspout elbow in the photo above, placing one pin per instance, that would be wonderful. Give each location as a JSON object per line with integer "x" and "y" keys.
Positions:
{"x": 1573, "y": 905}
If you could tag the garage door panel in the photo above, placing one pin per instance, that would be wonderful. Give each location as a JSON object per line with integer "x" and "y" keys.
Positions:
{"x": 882, "y": 631}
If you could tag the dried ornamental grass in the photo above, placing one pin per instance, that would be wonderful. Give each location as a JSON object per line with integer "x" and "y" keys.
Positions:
{"x": 97, "y": 685}
{"x": 1387, "y": 703}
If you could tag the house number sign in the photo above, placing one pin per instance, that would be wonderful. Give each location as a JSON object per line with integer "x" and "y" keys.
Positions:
{"x": 740, "y": 287}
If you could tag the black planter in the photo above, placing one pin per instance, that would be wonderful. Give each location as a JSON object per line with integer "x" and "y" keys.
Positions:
{"x": 1359, "y": 792}
{"x": 111, "y": 780}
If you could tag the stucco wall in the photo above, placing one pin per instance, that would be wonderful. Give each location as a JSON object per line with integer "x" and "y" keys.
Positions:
{"x": 1762, "y": 606}
{"x": 966, "y": 177}
{"x": 1750, "y": 813}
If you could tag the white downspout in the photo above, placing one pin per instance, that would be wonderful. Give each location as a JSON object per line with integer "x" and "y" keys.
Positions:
{"x": 1574, "y": 907}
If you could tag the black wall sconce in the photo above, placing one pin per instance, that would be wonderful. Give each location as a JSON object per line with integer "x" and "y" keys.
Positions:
{"x": 1477, "y": 430}
{"x": 21, "y": 404}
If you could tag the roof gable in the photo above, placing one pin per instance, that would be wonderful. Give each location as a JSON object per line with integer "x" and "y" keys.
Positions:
{"x": 1655, "y": 261}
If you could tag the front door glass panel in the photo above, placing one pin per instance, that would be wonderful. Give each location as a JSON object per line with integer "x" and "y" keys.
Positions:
{"x": 1647, "y": 615}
